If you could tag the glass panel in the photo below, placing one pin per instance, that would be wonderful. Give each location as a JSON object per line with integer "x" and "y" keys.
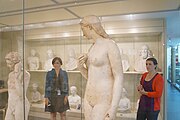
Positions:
{"x": 45, "y": 39}
{"x": 13, "y": 81}
{"x": 63, "y": 41}
{"x": 173, "y": 65}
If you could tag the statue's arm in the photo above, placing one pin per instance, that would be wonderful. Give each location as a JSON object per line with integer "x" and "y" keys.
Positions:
{"x": 117, "y": 72}
{"x": 82, "y": 66}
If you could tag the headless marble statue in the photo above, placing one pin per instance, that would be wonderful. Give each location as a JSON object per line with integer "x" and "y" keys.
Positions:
{"x": 33, "y": 61}
{"x": 36, "y": 95}
{"x": 140, "y": 63}
{"x": 15, "y": 110}
{"x": 48, "y": 63}
{"x": 74, "y": 99}
{"x": 102, "y": 68}
{"x": 124, "y": 103}
{"x": 72, "y": 61}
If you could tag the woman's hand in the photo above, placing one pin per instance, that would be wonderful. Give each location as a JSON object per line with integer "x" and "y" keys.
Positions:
{"x": 139, "y": 87}
{"x": 65, "y": 100}
{"x": 141, "y": 90}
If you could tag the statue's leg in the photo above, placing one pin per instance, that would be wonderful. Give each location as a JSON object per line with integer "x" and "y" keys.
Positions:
{"x": 19, "y": 111}
{"x": 9, "y": 114}
{"x": 99, "y": 111}
{"x": 87, "y": 110}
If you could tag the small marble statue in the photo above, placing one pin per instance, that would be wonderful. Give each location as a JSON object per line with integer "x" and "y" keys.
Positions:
{"x": 72, "y": 61}
{"x": 124, "y": 103}
{"x": 33, "y": 61}
{"x": 74, "y": 99}
{"x": 140, "y": 62}
{"x": 18, "y": 81}
{"x": 48, "y": 63}
{"x": 36, "y": 95}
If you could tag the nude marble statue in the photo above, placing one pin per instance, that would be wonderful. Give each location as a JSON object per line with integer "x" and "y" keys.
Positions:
{"x": 140, "y": 62}
{"x": 102, "y": 67}
{"x": 33, "y": 60}
{"x": 48, "y": 63}
{"x": 18, "y": 81}
{"x": 74, "y": 98}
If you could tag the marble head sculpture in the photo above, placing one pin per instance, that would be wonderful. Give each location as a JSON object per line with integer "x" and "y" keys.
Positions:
{"x": 93, "y": 22}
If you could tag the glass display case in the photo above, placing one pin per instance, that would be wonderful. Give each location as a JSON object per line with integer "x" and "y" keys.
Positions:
{"x": 67, "y": 42}
{"x": 37, "y": 43}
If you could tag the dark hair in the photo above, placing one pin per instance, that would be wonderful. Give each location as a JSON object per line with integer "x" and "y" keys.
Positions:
{"x": 153, "y": 60}
{"x": 56, "y": 58}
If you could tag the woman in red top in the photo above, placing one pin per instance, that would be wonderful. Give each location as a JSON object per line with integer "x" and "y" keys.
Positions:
{"x": 151, "y": 88}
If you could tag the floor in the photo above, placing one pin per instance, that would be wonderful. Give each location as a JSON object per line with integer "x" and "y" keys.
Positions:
{"x": 173, "y": 103}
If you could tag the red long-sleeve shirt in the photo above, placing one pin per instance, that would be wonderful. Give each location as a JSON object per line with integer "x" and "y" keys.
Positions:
{"x": 157, "y": 86}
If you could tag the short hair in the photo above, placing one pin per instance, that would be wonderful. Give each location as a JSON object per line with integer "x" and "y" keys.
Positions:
{"x": 153, "y": 60}
{"x": 56, "y": 58}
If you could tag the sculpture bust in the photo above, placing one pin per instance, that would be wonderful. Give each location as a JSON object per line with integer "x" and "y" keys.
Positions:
{"x": 140, "y": 62}
{"x": 72, "y": 61}
{"x": 36, "y": 95}
{"x": 48, "y": 63}
{"x": 74, "y": 99}
{"x": 125, "y": 60}
{"x": 33, "y": 61}
{"x": 124, "y": 103}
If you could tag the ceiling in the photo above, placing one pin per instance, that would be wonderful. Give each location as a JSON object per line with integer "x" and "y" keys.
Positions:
{"x": 42, "y": 11}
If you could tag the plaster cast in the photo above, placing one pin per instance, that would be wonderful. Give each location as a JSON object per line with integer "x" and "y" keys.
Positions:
{"x": 102, "y": 68}
{"x": 36, "y": 95}
{"x": 18, "y": 81}
{"x": 72, "y": 61}
{"x": 140, "y": 62}
{"x": 33, "y": 61}
{"x": 124, "y": 103}
{"x": 48, "y": 63}
{"x": 74, "y": 98}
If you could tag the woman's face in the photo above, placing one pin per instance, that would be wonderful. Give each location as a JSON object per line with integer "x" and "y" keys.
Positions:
{"x": 150, "y": 66}
{"x": 57, "y": 64}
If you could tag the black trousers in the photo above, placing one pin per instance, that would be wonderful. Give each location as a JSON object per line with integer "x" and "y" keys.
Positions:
{"x": 149, "y": 115}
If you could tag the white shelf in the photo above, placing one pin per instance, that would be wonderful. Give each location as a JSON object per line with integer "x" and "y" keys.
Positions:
{"x": 37, "y": 70}
{"x": 75, "y": 71}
